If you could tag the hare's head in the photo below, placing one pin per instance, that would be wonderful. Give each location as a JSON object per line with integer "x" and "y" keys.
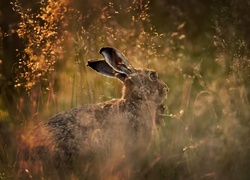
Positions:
{"x": 139, "y": 84}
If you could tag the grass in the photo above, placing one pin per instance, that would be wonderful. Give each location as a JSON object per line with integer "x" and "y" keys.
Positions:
{"x": 205, "y": 133}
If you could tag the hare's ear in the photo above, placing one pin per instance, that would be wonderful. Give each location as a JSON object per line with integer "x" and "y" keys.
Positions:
{"x": 102, "y": 67}
{"x": 117, "y": 60}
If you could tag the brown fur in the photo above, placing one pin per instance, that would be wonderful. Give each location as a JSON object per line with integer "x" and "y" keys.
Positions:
{"x": 92, "y": 137}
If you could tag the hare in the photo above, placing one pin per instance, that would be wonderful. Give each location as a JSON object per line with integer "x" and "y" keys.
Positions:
{"x": 120, "y": 128}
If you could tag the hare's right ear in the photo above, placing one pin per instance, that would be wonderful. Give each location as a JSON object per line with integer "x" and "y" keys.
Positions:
{"x": 117, "y": 60}
{"x": 102, "y": 67}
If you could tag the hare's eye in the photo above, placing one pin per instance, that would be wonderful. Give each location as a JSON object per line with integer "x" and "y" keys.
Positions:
{"x": 153, "y": 76}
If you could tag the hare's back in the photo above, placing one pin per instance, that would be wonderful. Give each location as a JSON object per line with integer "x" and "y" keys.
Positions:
{"x": 75, "y": 128}
{"x": 70, "y": 126}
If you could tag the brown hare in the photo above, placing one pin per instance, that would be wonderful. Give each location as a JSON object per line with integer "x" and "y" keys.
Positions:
{"x": 119, "y": 128}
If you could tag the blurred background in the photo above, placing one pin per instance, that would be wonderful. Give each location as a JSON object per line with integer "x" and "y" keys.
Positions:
{"x": 199, "y": 48}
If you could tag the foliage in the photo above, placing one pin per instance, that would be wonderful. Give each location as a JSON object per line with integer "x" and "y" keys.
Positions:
{"x": 43, "y": 29}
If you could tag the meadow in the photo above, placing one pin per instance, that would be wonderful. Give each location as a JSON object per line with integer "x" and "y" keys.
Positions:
{"x": 200, "y": 50}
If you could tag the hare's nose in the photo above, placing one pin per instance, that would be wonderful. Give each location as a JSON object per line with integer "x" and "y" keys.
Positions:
{"x": 166, "y": 89}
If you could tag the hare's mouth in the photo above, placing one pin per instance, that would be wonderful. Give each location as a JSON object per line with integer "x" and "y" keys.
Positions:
{"x": 164, "y": 94}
